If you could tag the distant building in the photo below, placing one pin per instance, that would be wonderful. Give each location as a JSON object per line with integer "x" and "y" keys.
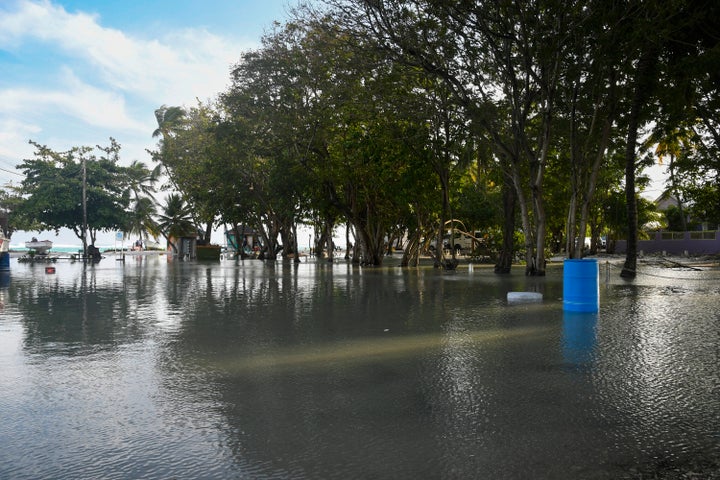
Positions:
{"x": 186, "y": 247}
{"x": 243, "y": 238}
{"x": 665, "y": 201}
{"x": 696, "y": 242}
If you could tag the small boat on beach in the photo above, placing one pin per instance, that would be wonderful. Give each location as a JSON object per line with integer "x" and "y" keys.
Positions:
{"x": 40, "y": 247}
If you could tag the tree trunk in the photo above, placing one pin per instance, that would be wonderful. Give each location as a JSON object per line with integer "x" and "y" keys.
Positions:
{"x": 329, "y": 226}
{"x": 505, "y": 258}
{"x": 296, "y": 247}
{"x": 643, "y": 83}
{"x": 540, "y": 231}
{"x": 526, "y": 223}
{"x": 676, "y": 192}
{"x": 347, "y": 241}
{"x": 599, "y": 156}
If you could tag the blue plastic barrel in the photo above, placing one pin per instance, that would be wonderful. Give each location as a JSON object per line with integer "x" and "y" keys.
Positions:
{"x": 4, "y": 261}
{"x": 581, "y": 285}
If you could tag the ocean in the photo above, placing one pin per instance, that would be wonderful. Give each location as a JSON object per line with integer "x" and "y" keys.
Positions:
{"x": 60, "y": 248}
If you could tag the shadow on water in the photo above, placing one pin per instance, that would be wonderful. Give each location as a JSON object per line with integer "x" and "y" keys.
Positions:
{"x": 274, "y": 370}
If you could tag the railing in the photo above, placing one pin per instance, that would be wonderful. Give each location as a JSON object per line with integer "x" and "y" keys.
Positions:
{"x": 704, "y": 235}
{"x": 672, "y": 235}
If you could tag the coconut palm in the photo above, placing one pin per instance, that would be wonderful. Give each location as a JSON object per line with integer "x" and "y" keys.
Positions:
{"x": 175, "y": 221}
{"x": 141, "y": 219}
{"x": 674, "y": 144}
{"x": 141, "y": 183}
{"x": 142, "y": 179}
{"x": 167, "y": 118}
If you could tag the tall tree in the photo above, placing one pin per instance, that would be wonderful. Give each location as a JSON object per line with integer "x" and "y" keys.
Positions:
{"x": 187, "y": 151}
{"x": 141, "y": 183}
{"x": 58, "y": 185}
{"x": 667, "y": 40}
{"x": 326, "y": 110}
{"x": 503, "y": 62}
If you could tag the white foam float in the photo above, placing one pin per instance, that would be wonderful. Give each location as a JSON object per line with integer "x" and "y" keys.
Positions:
{"x": 524, "y": 297}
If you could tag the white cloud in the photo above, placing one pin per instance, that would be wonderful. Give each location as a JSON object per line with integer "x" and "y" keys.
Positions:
{"x": 91, "y": 105}
{"x": 14, "y": 137}
{"x": 88, "y": 82}
{"x": 175, "y": 68}
{"x": 93, "y": 82}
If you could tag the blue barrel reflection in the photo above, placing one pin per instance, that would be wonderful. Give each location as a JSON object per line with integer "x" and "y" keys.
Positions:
{"x": 579, "y": 337}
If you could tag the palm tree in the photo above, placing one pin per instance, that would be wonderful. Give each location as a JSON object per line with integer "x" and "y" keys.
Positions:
{"x": 175, "y": 221}
{"x": 141, "y": 182}
{"x": 141, "y": 219}
{"x": 167, "y": 118}
{"x": 142, "y": 179}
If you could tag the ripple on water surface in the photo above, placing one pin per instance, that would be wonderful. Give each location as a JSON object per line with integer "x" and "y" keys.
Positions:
{"x": 155, "y": 370}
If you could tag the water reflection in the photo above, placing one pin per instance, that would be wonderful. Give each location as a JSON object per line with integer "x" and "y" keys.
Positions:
{"x": 579, "y": 337}
{"x": 273, "y": 370}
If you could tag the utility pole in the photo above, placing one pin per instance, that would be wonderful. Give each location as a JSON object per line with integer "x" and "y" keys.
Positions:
{"x": 84, "y": 206}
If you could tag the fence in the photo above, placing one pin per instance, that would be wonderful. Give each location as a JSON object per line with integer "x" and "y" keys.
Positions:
{"x": 705, "y": 242}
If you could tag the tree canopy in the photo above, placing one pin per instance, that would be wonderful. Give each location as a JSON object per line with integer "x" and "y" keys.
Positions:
{"x": 523, "y": 120}
{"x": 84, "y": 189}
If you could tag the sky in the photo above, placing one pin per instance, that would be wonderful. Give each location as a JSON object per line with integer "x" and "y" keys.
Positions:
{"x": 77, "y": 72}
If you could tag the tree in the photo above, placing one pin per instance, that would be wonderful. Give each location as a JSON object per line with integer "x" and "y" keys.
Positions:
{"x": 187, "y": 151}
{"x": 667, "y": 40}
{"x": 329, "y": 112}
{"x": 10, "y": 201}
{"x": 54, "y": 185}
{"x": 175, "y": 220}
{"x": 265, "y": 148}
{"x": 169, "y": 120}
{"x": 141, "y": 182}
{"x": 503, "y": 62}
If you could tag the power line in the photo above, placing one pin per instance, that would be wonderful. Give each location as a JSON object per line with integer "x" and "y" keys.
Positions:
{"x": 11, "y": 171}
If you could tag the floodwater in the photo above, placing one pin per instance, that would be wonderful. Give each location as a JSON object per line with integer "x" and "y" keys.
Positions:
{"x": 156, "y": 369}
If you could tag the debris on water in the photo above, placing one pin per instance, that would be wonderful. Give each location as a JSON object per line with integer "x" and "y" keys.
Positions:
{"x": 524, "y": 297}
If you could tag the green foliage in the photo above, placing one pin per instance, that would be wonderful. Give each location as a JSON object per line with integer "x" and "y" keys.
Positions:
{"x": 410, "y": 114}
{"x": 616, "y": 215}
{"x": 51, "y": 195}
{"x": 53, "y": 190}
{"x": 706, "y": 203}
{"x": 175, "y": 220}
{"x": 479, "y": 205}
{"x": 674, "y": 219}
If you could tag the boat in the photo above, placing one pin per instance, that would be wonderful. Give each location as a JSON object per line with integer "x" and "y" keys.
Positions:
{"x": 40, "y": 247}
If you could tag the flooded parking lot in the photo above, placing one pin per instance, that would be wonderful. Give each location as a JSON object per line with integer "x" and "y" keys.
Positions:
{"x": 150, "y": 369}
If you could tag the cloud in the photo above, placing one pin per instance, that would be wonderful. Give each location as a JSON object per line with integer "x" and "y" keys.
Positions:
{"x": 14, "y": 135}
{"x": 73, "y": 79}
{"x": 91, "y": 105}
{"x": 173, "y": 68}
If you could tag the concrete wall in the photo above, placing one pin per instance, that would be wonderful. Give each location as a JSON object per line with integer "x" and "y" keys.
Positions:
{"x": 677, "y": 243}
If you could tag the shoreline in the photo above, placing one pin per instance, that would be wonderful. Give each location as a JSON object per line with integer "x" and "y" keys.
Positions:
{"x": 654, "y": 259}
{"x": 51, "y": 254}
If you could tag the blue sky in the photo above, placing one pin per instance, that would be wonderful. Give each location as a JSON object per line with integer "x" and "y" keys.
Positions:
{"x": 76, "y": 72}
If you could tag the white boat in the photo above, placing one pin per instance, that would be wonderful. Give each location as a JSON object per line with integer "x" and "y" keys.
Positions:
{"x": 40, "y": 247}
